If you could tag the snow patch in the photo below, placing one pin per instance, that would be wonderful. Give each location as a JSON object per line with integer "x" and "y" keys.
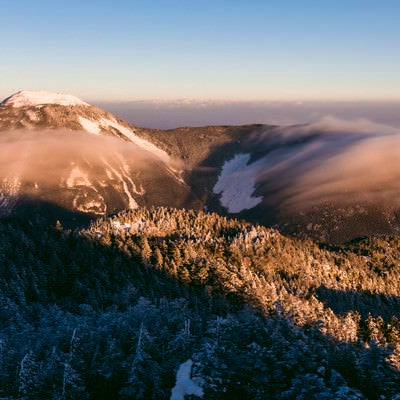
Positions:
{"x": 94, "y": 206}
{"x": 77, "y": 178}
{"x": 131, "y": 201}
{"x": 86, "y": 203}
{"x": 26, "y": 98}
{"x": 90, "y": 126}
{"x": 87, "y": 198}
{"x": 121, "y": 226}
{"x": 126, "y": 172}
{"x": 109, "y": 174}
{"x": 184, "y": 384}
{"x": 236, "y": 183}
{"x": 130, "y": 134}
{"x": 32, "y": 115}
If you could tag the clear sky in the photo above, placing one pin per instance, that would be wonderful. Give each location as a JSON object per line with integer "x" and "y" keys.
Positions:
{"x": 215, "y": 49}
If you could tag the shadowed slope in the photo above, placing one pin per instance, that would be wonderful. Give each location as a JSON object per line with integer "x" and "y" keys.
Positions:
{"x": 118, "y": 307}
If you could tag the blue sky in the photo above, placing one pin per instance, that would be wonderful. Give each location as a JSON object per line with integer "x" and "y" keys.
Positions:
{"x": 234, "y": 50}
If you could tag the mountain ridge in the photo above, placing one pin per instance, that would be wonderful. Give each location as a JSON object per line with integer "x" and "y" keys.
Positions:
{"x": 97, "y": 163}
{"x": 309, "y": 180}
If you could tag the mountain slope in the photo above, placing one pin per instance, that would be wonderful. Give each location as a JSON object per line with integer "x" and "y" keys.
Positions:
{"x": 332, "y": 180}
{"x": 116, "y": 309}
{"x": 58, "y": 150}
{"x": 48, "y": 110}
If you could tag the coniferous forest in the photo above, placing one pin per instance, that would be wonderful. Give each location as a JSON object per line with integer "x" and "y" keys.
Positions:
{"x": 115, "y": 310}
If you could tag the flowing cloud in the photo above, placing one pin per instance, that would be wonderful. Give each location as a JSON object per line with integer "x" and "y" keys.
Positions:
{"x": 75, "y": 168}
{"x": 46, "y": 154}
{"x": 292, "y": 168}
{"x": 332, "y": 161}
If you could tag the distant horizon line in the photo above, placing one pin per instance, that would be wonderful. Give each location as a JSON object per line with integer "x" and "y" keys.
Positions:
{"x": 216, "y": 100}
{"x": 195, "y": 101}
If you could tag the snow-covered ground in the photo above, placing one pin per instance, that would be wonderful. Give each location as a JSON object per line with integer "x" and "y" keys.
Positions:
{"x": 185, "y": 385}
{"x": 90, "y": 126}
{"x": 87, "y": 198}
{"x": 32, "y": 115}
{"x": 77, "y": 177}
{"x": 120, "y": 226}
{"x": 236, "y": 183}
{"x": 95, "y": 127}
{"x": 111, "y": 172}
{"x": 130, "y": 134}
{"x": 26, "y": 98}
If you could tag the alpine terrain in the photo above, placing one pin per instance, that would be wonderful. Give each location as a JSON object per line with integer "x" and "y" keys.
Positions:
{"x": 124, "y": 274}
{"x": 330, "y": 180}
{"x": 62, "y": 159}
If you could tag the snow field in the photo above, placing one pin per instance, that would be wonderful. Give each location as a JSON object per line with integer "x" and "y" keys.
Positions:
{"x": 236, "y": 184}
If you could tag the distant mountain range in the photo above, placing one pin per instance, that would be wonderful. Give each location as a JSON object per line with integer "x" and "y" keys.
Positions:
{"x": 63, "y": 159}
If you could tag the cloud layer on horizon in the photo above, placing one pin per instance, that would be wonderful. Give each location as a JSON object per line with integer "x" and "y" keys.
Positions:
{"x": 172, "y": 114}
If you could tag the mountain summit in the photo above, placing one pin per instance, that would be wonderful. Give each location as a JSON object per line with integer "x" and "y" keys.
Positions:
{"x": 28, "y": 98}
{"x": 48, "y": 110}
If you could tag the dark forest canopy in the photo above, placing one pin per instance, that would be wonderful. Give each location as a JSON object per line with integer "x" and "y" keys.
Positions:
{"x": 112, "y": 311}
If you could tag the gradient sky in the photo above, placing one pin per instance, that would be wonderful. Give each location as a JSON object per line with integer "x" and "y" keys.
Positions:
{"x": 220, "y": 49}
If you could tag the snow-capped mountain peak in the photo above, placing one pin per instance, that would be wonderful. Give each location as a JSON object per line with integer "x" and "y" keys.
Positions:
{"x": 28, "y": 98}
{"x": 44, "y": 164}
{"x": 40, "y": 110}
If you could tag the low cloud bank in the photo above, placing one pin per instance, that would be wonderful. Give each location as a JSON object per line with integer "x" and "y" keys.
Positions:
{"x": 77, "y": 165}
{"x": 332, "y": 161}
{"x": 44, "y": 155}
